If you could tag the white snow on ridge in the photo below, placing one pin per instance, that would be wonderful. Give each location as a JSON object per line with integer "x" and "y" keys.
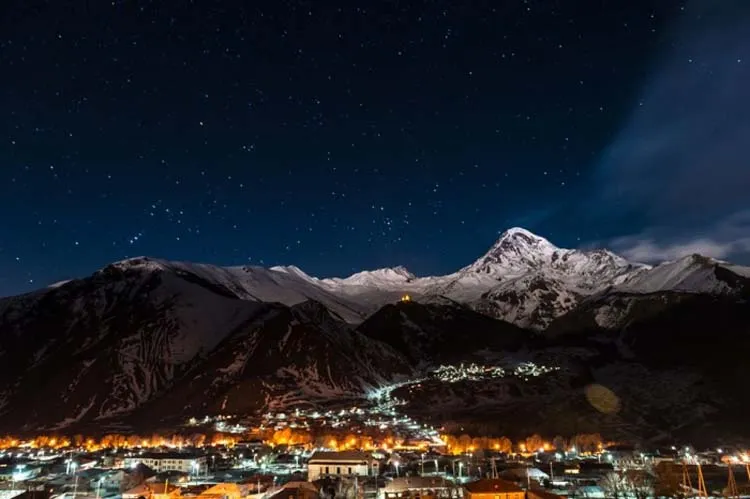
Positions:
{"x": 522, "y": 274}
{"x": 738, "y": 269}
{"x": 693, "y": 273}
{"x": 59, "y": 283}
{"x": 381, "y": 277}
{"x": 517, "y": 253}
{"x": 288, "y": 285}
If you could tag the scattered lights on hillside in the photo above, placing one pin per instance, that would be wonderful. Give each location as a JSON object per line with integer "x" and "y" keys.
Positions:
{"x": 476, "y": 372}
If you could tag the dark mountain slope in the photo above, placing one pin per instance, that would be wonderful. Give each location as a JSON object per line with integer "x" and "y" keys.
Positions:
{"x": 435, "y": 333}
{"x": 296, "y": 356}
{"x": 99, "y": 349}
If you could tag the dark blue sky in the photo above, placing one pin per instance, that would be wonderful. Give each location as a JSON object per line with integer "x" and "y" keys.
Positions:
{"x": 340, "y": 137}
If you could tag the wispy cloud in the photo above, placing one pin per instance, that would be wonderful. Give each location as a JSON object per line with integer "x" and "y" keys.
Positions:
{"x": 649, "y": 251}
{"x": 730, "y": 238}
{"x": 682, "y": 161}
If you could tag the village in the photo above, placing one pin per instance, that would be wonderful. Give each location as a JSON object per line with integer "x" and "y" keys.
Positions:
{"x": 236, "y": 467}
{"x": 366, "y": 451}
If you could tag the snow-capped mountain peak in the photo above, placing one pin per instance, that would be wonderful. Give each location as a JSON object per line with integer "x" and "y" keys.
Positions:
{"x": 139, "y": 262}
{"x": 519, "y": 252}
{"x": 516, "y": 251}
{"x": 380, "y": 277}
{"x": 292, "y": 270}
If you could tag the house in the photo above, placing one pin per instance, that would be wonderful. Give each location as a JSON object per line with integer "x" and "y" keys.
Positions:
{"x": 153, "y": 491}
{"x": 142, "y": 491}
{"x": 165, "y": 491}
{"x": 420, "y": 487}
{"x": 344, "y": 463}
{"x": 254, "y": 444}
{"x": 523, "y": 475}
{"x": 624, "y": 457}
{"x": 493, "y": 488}
{"x": 104, "y": 480}
{"x": 223, "y": 491}
{"x": 297, "y": 490}
{"x": 169, "y": 461}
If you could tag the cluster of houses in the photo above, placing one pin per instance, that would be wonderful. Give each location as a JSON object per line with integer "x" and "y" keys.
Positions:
{"x": 252, "y": 470}
{"x": 193, "y": 474}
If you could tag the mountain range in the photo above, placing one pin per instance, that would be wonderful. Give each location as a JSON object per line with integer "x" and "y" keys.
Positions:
{"x": 145, "y": 341}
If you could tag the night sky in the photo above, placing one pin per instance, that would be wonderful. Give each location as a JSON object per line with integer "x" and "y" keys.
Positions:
{"x": 340, "y": 136}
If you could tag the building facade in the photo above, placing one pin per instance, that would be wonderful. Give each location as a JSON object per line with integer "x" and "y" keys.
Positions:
{"x": 421, "y": 487}
{"x": 345, "y": 464}
{"x": 169, "y": 461}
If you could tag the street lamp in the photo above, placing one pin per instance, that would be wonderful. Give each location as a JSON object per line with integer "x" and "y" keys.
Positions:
{"x": 75, "y": 483}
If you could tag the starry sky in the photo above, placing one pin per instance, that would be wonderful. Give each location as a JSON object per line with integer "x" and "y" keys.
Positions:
{"x": 340, "y": 136}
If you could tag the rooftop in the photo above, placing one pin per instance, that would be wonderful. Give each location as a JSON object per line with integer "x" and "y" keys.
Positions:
{"x": 490, "y": 485}
{"x": 417, "y": 482}
{"x": 168, "y": 455}
{"x": 347, "y": 455}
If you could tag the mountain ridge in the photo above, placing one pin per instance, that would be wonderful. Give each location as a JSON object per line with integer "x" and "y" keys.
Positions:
{"x": 522, "y": 278}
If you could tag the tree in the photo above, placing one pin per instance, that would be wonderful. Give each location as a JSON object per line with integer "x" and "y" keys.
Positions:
{"x": 534, "y": 443}
{"x": 633, "y": 483}
{"x": 504, "y": 444}
{"x": 613, "y": 485}
{"x": 640, "y": 484}
{"x": 197, "y": 439}
{"x": 464, "y": 442}
{"x": 559, "y": 443}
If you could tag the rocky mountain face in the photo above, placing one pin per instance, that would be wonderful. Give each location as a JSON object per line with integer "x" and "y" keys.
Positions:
{"x": 532, "y": 300}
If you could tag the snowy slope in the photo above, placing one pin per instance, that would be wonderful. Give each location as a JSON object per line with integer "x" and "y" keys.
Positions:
{"x": 692, "y": 274}
{"x": 288, "y": 285}
{"x": 532, "y": 300}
